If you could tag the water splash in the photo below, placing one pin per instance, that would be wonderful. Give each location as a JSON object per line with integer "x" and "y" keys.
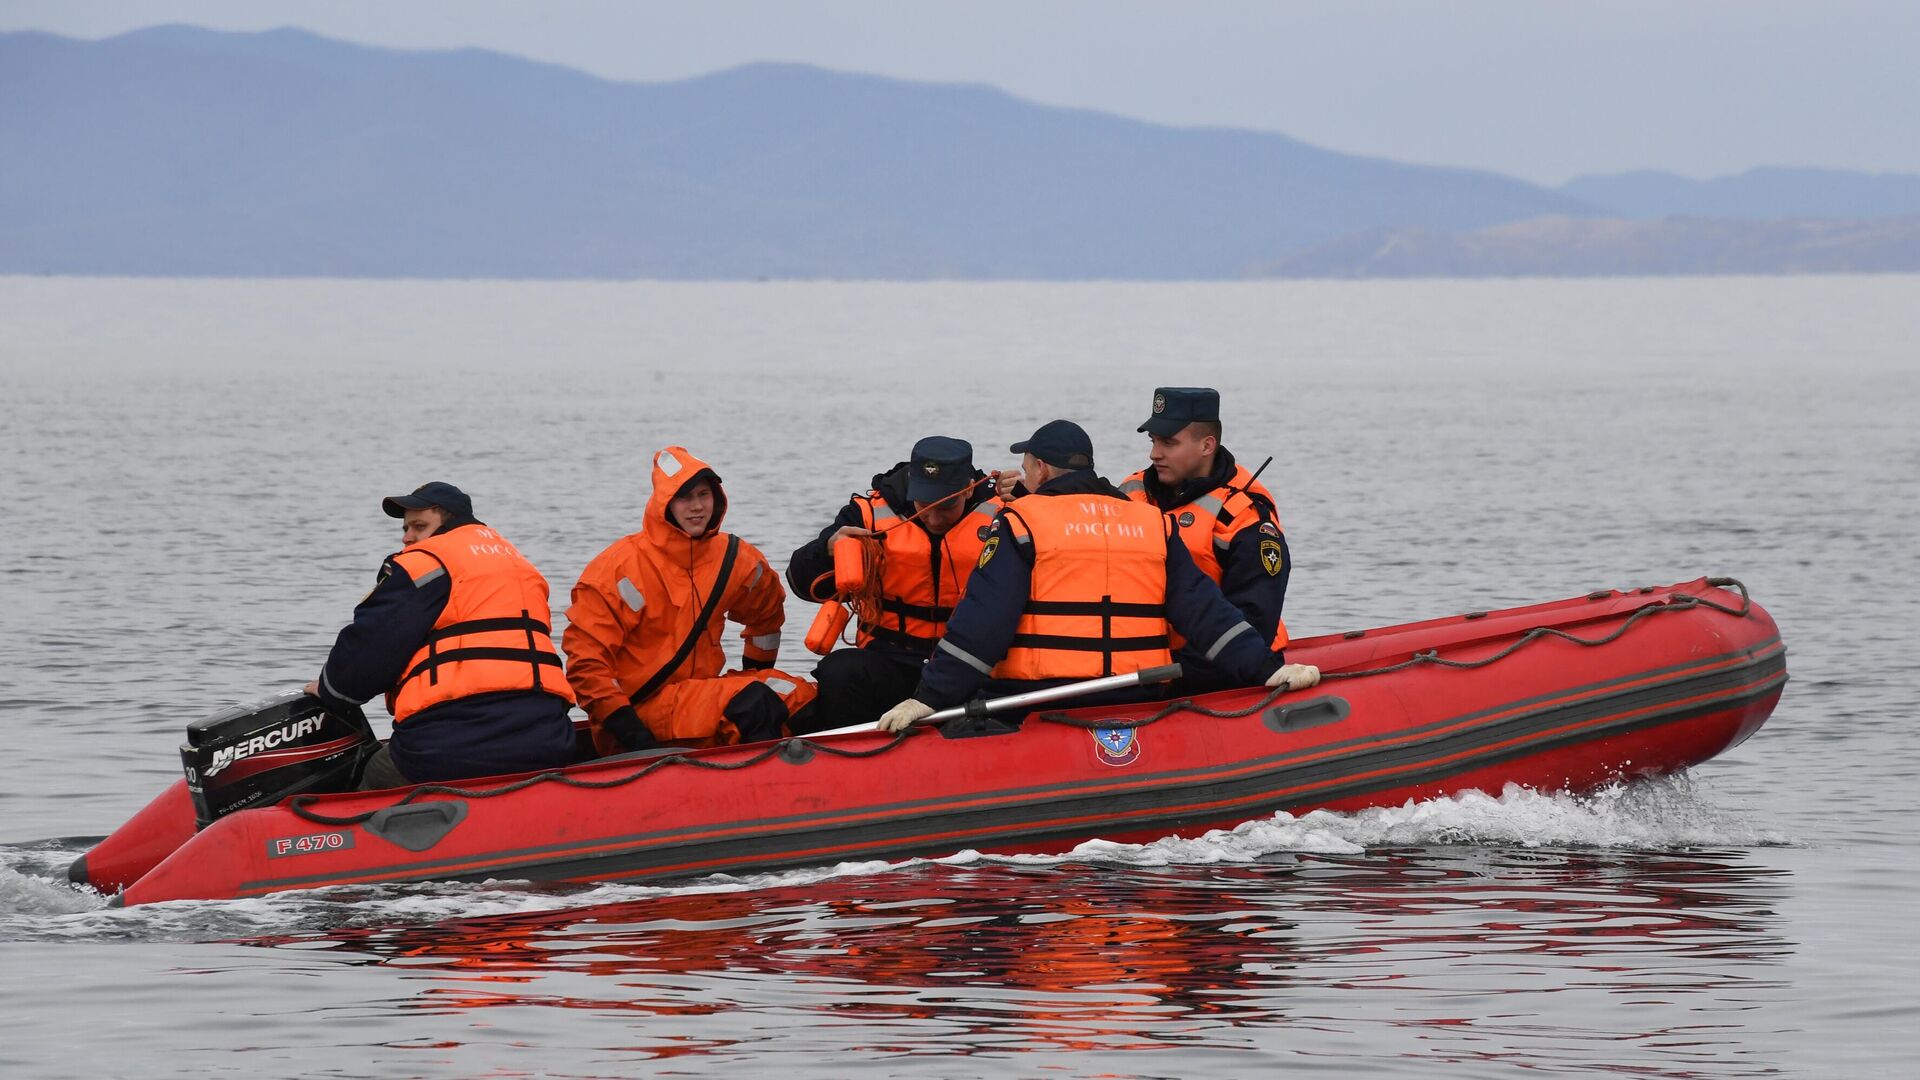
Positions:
{"x": 1649, "y": 815}
{"x": 29, "y": 889}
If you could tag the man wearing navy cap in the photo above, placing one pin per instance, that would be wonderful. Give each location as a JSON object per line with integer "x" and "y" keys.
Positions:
{"x": 1226, "y": 518}
{"x": 1075, "y": 582}
{"x": 930, "y": 515}
{"x": 457, "y": 633}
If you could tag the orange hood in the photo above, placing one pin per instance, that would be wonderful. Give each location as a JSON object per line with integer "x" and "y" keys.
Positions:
{"x": 674, "y": 468}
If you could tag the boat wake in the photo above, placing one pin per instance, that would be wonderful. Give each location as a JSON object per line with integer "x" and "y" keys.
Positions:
{"x": 1666, "y": 813}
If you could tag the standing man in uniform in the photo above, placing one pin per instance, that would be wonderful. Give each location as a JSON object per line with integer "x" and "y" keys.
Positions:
{"x": 1227, "y": 518}
{"x": 925, "y": 562}
{"x": 643, "y": 634}
{"x": 458, "y": 634}
{"x": 1076, "y": 581}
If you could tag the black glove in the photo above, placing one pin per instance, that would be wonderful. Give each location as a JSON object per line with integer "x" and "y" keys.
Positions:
{"x": 627, "y": 730}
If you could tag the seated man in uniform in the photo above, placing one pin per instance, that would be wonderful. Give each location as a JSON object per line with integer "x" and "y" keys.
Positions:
{"x": 457, "y": 633}
{"x": 1226, "y": 518}
{"x": 1077, "y": 581}
{"x": 643, "y": 633}
{"x": 931, "y": 513}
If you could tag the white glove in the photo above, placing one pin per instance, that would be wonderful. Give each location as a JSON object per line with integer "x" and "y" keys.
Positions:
{"x": 1295, "y": 676}
{"x": 905, "y": 715}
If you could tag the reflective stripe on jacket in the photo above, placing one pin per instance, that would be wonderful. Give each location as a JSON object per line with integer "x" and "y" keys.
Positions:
{"x": 1096, "y": 604}
{"x": 496, "y": 631}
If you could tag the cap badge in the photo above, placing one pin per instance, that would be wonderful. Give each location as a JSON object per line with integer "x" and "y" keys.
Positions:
{"x": 1159, "y": 403}
{"x": 931, "y": 468}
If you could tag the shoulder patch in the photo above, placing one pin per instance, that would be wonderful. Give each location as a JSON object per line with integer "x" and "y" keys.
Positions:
{"x": 386, "y": 571}
{"x": 986, "y": 553}
{"x": 1269, "y": 528}
{"x": 1272, "y": 557}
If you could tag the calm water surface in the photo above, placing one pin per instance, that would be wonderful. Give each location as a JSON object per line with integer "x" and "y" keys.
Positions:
{"x": 189, "y": 509}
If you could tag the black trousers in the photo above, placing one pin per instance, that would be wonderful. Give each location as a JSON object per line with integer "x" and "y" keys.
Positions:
{"x": 856, "y": 686}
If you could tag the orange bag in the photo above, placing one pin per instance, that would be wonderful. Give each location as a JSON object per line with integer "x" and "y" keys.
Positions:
{"x": 849, "y": 565}
{"x": 828, "y": 624}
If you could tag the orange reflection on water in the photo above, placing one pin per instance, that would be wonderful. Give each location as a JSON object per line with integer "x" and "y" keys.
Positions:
{"x": 1091, "y": 957}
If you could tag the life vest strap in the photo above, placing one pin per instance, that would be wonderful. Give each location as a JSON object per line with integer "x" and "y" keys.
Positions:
{"x": 487, "y": 626}
{"x": 514, "y": 655}
{"x": 1098, "y": 608}
{"x": 934, "y": 614}
{"x": 1068, "y": 643}
{"x": 900, "y": 637}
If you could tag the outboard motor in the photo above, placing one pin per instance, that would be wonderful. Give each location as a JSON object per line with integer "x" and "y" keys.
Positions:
{"x": 260, "y": 753}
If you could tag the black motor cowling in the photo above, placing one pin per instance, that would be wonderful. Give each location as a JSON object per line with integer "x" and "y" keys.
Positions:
{"x": 260, "y": 753}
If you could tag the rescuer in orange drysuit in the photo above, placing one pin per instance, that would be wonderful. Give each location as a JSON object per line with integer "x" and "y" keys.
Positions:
{"x": 643, "y": 634}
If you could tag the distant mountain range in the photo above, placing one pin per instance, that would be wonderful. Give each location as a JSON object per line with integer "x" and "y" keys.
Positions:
{"x": 1593, "y": 247}
{"x": 1755, "y": 194}
{"x": 181, "y": 151}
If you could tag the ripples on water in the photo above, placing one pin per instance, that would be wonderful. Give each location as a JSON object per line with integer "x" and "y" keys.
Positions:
{"x": 189, "y": 516}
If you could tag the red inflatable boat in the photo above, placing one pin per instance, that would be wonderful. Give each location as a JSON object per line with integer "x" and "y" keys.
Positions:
{"x": 1569, "y": 695}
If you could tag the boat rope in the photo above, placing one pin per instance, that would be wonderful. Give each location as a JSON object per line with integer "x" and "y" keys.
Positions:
{"x": 301, "y": 805}
{"x": 1680, "y": 602}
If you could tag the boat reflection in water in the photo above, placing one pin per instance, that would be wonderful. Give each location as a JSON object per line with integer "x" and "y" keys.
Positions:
{"x": 1482, "y": 949}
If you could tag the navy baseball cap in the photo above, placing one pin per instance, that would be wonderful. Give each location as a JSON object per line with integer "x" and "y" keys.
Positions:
{"x": 1062, "y": 444}
{"x": 433, "y": 494}
{"x": 1174, "y": 407}
{"x": 939, "y": 467}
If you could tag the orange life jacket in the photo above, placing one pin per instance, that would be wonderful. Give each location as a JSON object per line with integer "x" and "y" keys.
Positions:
{"x": 1210, "y": 522}
{"x": 496, "y": 632}
{"x": 920, "y": 583}
{"x": 1097, "y": 602}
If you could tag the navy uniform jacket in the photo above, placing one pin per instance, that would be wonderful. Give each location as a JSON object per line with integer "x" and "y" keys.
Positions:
{"x": 1260, "y": 596}
{"x": 983, "y": 624}
{"x": 482, "y": 735}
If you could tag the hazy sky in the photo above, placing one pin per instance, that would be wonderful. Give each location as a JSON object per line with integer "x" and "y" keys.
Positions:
{"x": 1541, "y": 89}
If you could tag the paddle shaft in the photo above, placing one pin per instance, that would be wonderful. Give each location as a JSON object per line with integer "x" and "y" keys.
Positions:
{"x": 1147, "y": 677}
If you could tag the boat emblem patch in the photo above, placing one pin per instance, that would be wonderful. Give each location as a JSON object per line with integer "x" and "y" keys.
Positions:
{"x": 1272, "y": 557}
{"x": 1116, "y": 745}
{"x": 1186, "y": 518}
{"x": 986, "y": 553}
